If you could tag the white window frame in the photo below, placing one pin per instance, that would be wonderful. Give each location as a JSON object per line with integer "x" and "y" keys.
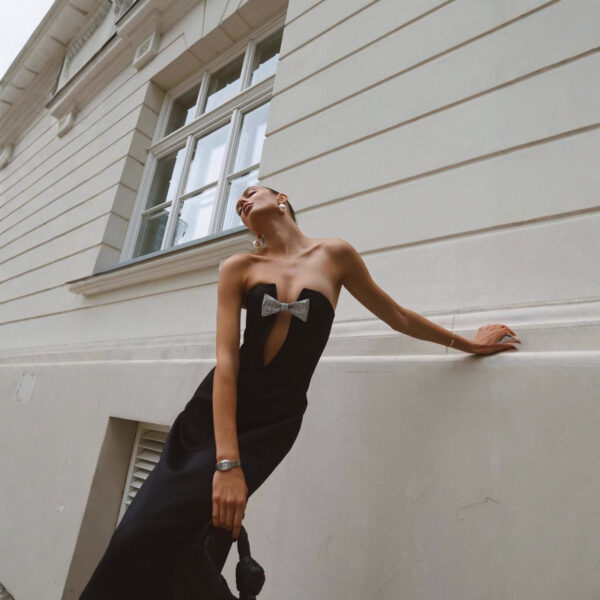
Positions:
{"x": 232, "y": 112}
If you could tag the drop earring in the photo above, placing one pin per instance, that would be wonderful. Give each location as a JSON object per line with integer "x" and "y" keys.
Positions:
{"x": 282, "y": 207}
{"x": 259, "y": 242}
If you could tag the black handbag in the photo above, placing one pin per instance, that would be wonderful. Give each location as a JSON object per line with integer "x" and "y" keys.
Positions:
{"x": 249, "y": 575}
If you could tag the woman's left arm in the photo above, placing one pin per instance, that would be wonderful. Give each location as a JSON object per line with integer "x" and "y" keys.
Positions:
{"x": 358, "y": 281}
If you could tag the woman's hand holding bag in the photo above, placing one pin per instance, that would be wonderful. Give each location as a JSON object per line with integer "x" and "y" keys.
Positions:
{"x": 229, "y": 494}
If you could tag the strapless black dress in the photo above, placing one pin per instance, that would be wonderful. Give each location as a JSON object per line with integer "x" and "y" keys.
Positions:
{"x": 151, "y": 553}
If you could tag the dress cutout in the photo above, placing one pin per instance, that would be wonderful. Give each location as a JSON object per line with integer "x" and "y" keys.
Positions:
{"x": 151, "y": 553}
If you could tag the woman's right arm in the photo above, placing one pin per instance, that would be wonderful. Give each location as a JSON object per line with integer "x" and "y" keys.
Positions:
{"x": 229, "y": 492}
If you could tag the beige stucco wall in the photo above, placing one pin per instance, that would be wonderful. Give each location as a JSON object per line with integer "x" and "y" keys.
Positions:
{"x": 452, "y": 143}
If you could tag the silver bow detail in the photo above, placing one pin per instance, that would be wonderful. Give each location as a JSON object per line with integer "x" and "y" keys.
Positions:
{"x": 271, "y": 305}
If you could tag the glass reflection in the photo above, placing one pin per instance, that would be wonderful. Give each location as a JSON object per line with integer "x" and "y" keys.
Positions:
{"x": 207, "y": 160}
{"x": 252, "y": 137}
{"x": 166, "y": 177}
{"x": 236, "y": 188}
{"x": 224, "y": 84}
{"x": 152, "y": 232}
{"x": 194, "y": 217}
{"x": 182, "y": 111}
{"x": 266, "y": 57}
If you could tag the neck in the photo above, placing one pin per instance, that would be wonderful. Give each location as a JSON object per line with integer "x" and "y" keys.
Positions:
{"x": 284, "y": 239}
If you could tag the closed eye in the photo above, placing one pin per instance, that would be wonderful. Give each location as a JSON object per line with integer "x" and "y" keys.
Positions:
{"x": 239, "y": 208}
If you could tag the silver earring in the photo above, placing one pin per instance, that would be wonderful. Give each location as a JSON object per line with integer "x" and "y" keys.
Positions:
{"x": 282, "y": 207}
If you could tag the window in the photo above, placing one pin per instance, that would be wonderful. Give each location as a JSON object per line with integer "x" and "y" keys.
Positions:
{"x": 207, "y": 151}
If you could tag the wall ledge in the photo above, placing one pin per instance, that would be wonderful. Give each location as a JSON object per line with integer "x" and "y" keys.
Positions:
{"x": 191, "y": 257}
{"x": 569, "y": 329}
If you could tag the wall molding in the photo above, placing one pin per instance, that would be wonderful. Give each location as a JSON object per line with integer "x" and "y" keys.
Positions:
{"x": 565, "y": 328}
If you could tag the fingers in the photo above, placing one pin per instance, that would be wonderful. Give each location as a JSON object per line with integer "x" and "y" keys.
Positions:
{"x": 228, "y": 514}
{"x": 216, "y": 511}
{"x": 511, "y": 332}
{"x": 228, "y": 519}
{"x": 237, "y": 521}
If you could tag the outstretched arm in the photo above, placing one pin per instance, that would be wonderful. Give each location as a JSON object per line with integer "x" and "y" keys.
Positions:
{"x": 358, "y": 281}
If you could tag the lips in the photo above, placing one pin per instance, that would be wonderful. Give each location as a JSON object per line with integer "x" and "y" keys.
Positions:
{"x": 246, "y": 209}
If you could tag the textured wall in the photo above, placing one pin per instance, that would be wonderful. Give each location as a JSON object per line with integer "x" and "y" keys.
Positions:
{"x": 452, "y": 144}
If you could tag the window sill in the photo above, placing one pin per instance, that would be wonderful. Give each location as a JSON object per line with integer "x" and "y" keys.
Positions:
{"x": 193, "y": 256}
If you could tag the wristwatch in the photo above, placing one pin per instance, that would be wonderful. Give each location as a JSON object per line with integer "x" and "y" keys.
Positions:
{"x": 225, "y": 465}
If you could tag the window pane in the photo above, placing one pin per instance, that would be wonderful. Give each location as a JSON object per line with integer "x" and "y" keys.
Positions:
{"x": 194, "y": 217}
{"x": 224, "y": 84}
{"x": 236, "y": 187}
{"x": 164, "y": 184}
{"x": 152, "y": 232}
{"x": 266, "y": 57}
{"x": 182, "y": 111}
{"x": 252, "y": 137}
{"x": 207, "y": 159}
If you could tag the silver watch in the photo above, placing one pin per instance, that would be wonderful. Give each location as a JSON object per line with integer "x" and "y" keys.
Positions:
{"x": 225, "y": 465}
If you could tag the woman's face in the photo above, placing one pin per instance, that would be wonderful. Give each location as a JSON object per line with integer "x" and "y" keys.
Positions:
{"x": 255, "y": 204}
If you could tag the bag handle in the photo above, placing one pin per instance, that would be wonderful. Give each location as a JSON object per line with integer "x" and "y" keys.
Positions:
{"x": 249, "y": 575}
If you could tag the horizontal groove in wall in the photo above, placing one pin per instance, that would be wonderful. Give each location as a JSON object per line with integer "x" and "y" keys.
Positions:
{"x": 278, "y": 91}
{"x": 368, "y": 4}
{"x": 575, "y": 357}
{"x": 358, "y": 49}
{"x": 396, "y": 126}
{"x": 51, "y": 262}
{"x": 93, "y": 176}
{"x": 48, "y": 136}
{"x": 457, "y": 165}
{"x": 486, "y": 230}
{"x": 300, "y": 14}
{"x": 38, "y": 229}
{"x": 113, "y": 129}
{"x": 123, "y": 300}
{"x": 368, "y": 252}
{"x": 57, "y": 216}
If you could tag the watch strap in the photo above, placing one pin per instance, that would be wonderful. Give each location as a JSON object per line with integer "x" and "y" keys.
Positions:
{"x": 225, "y": 464}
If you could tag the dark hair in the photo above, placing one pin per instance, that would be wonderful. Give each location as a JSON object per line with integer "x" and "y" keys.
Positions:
{"x": 292, "y": 213}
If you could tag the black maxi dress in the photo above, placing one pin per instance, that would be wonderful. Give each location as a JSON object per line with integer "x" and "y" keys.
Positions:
{"x": 151, "y": 553}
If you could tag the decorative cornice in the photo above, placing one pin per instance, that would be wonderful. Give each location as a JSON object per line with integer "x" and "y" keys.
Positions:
{"x": 125, "y": 30}
{"x": 80, "y": 41}
{"x": 199, "y": 256}
{"x": 121, "y": 7}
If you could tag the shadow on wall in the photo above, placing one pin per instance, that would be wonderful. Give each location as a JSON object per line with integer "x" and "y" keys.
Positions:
{"x": 103, "y": 505}
{"x": 4, "y": 595}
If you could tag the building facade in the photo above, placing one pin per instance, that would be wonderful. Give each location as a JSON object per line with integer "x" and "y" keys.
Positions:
{"x": 452, "y": 142}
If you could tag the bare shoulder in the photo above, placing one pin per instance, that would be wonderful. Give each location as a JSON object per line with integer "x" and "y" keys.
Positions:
{"x": 235, "y": 267}
{"x": 237, "y": 261}
{"x": 340, "y": 249}
{"x": 334, "y": 245}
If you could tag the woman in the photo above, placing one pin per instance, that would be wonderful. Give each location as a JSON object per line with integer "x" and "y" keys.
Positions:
{"x": 249, "y": 407}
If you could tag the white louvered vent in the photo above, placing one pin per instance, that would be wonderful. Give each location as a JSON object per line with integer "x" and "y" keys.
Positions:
{"x": 149, "y": 444}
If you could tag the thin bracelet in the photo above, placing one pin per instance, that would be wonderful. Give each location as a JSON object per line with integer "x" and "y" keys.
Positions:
{"x": 452, "y": 342}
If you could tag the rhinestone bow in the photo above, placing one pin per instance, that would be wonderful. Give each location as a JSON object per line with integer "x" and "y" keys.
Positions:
{"x": 271, "y": 305}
